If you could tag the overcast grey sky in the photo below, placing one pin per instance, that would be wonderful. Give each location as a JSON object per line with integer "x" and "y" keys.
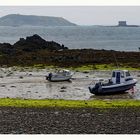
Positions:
{"x": 82, "y": 15}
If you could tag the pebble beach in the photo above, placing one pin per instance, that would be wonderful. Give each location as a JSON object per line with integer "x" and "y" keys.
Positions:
{"x": 69, "y": 121}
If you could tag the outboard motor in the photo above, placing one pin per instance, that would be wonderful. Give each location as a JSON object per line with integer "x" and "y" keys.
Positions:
{"x": 49, "y": 76}
{"x": 95, "y": 88}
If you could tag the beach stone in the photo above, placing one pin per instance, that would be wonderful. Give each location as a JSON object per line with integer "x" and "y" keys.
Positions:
{"x": 85, "y": 71}
{"x": 9, "y": 74}
{"x": 21, "y": 77}
{"x": 13, "y": 86}
{"x": 77, "y": 88}
{"x": 62, "y": 91}
{"x": 63, "y": 87}
{"x": 56, "y": 113}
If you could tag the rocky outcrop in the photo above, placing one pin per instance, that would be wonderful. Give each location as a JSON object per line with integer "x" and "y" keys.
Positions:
{"x": 35, "y": 42}
{"x": 35, "y": 50}
{"x": 6, "y": 48}
{"x": 30, "y": 44}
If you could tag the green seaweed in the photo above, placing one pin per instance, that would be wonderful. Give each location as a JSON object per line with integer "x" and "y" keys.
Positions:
{"x": 101, "y": 67}
{"x": 29, "y": 103}
{"x": 82, "y": 68}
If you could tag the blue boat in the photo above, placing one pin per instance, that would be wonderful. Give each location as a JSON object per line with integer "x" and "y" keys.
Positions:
{"x": 120, "y": 82}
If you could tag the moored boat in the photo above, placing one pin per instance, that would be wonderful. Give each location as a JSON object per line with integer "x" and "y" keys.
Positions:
{"x": 60, "y": 75}
{"x": 120, "y": 82}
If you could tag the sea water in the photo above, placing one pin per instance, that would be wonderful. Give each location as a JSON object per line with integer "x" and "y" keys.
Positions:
{"x": 77, "y": 37}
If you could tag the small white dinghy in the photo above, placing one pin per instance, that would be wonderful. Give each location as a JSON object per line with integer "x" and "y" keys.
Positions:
{"x": 120, "y": 82}
{"x": 60, "y": 75}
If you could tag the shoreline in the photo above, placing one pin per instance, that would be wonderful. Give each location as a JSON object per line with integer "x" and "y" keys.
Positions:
{"x": 34, "y": 50}
{"x": 81, "y": 68}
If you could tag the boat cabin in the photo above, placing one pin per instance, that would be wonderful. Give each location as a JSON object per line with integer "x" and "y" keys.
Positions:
{"x": 120, "y": 76}
{"x": 63, "y": 72}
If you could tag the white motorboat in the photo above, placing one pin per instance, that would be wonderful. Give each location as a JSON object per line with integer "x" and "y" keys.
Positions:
{"x": 120, "y": 82}
{"x": 60, "y": 75}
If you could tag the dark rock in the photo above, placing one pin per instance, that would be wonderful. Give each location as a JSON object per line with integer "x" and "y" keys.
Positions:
{"x": 85, "y": 71}
{"x": 35, "y": 50}
{"x": 21, "y": 77}
{"x": 6, "y": 48}
{"x": 63, "y": 87}
{"x": 13, "y": 86}
{"x": 62, "y": 91}
{"x": 35, "y": 42}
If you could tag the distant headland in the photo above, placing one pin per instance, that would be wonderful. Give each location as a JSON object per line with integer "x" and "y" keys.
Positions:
{"x": 16, "y": 20}
{"x": 32, "y": 20}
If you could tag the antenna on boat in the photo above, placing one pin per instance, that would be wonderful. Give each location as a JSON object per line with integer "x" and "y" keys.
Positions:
{"x": 116, "y": 60}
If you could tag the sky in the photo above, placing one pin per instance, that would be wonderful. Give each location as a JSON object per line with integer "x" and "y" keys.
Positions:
{"x": 81, "y": 15}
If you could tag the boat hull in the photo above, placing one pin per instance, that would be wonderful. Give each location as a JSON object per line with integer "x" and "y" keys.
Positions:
{"x": 114, "y": 89}
{"x": 59, "y": 79}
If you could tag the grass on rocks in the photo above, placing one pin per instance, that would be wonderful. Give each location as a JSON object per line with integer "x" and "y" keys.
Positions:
{"x": 29, "y": 103}
{"x": 83, "y": 68}
{"x": 101, "y": 67}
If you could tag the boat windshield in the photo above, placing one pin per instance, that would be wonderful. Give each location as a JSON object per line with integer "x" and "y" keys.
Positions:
{"x": 127, "y": 74}
{"x": 113, "y": 74}
{"x": 122, "y": 74}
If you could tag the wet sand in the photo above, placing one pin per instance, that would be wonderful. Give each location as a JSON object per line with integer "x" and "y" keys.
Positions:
{"x": 31, "y": 84}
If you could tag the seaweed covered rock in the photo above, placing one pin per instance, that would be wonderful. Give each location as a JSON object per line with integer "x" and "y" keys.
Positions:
{"x": 6, "y": 48}
{"x": 36, "y": 50}
{"x": 35, "y": 42}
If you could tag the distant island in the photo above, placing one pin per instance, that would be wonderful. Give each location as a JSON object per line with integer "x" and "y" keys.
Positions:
{"x": 32, "y": 20}
{"x": 124, "y": 24}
